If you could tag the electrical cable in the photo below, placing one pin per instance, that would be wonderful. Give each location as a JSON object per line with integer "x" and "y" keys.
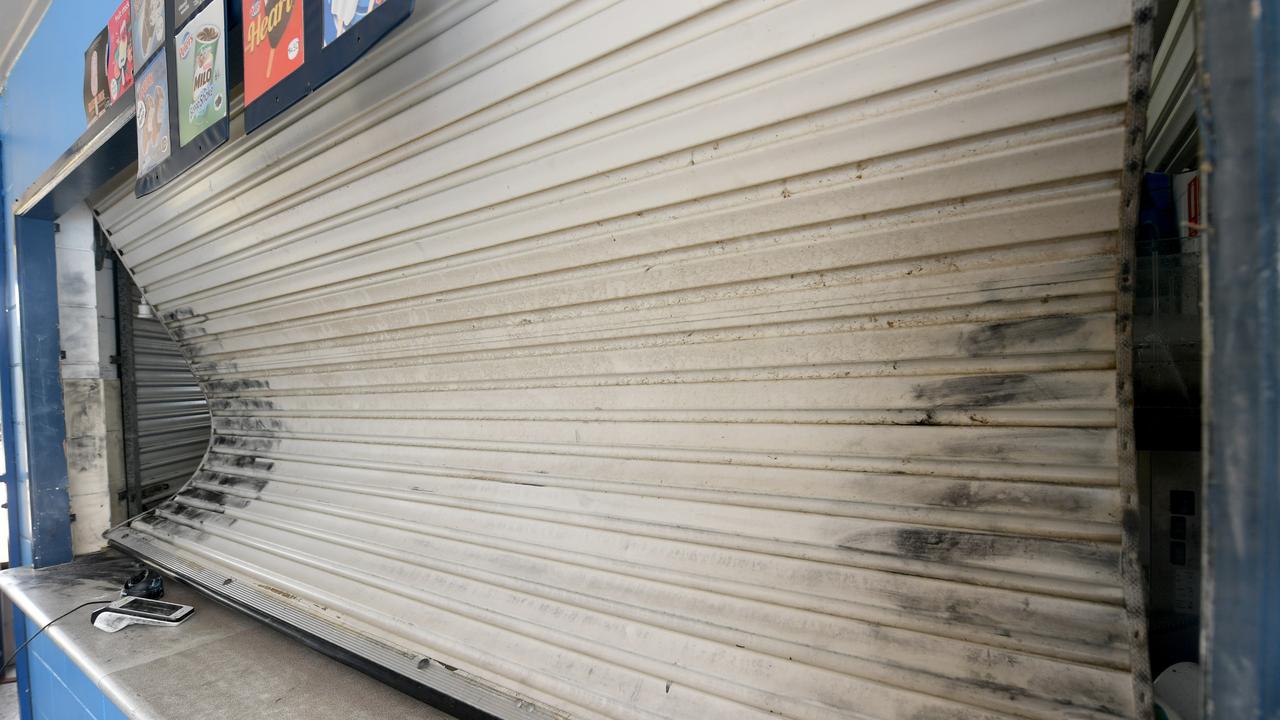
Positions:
{"x": 36, "y": 634}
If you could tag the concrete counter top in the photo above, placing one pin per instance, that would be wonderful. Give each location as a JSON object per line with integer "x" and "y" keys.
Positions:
{"x": 219, "y": 664}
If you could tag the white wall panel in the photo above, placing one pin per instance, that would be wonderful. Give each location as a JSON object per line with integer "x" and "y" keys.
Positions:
{"x": 678, "y": 359}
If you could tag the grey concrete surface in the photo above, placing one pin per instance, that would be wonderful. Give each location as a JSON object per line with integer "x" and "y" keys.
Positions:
{"x": 9, "y": 701}
{"x": 218, "y": 664}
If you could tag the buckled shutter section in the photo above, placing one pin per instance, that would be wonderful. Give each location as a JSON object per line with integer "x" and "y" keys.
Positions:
{"x": 674, "y": 360}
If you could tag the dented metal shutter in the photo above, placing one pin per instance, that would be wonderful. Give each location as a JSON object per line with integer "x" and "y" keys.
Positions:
{"x": 679, "y": 359}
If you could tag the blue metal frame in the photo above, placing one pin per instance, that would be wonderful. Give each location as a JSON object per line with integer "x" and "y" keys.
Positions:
{"x": 1241, "y": 54}
{"x": 10, "y": 475}
{"x": 35, "y": 462}
{"x": 48, "y": 502}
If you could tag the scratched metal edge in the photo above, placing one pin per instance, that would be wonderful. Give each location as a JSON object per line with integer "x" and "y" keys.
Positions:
{"x": 439, "y": 687}
{"x": 1134, "y": 585}
{"x": 101, "y": 131}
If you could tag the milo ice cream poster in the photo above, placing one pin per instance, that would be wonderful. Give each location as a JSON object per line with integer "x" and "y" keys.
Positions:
{"x": 202, "y": 72}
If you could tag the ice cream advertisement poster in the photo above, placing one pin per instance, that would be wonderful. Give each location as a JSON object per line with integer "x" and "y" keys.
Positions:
{"x": 274, "y": 45}
{"x": 151, "y": 92}
{"x": 96, "y": 97}
{"x": 182, "y": 10}
{"x": 119, "y": 52}
{"x": 202, "y": 72}
{"x": 341, "y": 15}
{"x": 146, "y": 20}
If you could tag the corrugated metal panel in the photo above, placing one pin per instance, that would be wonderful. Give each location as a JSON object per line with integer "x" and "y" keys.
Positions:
{"x": 678, "y": 359}
{"x": 1172, "y": 136}
{"x": 173, "y": 423}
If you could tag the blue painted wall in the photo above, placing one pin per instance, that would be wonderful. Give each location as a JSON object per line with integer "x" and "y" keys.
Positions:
{"x": 1240, "y": 42}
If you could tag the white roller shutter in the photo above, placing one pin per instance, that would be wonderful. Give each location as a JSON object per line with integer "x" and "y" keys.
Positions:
{"x": 678, "y": 359}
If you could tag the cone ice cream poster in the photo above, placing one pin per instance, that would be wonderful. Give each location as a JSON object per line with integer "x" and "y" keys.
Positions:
{"x": 273, "y": 43}
{"x": 202, "y": 72}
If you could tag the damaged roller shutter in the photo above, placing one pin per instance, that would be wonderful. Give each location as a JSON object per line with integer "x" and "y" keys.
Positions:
{"x": 678, "y": 359}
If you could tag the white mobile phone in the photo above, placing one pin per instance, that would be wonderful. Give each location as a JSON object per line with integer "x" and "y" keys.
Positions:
{"x": 139, "y": 611}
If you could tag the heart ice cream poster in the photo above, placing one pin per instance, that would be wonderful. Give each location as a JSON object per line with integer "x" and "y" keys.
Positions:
{"x": 151, "y": 93}
{"x": 340, "y": 15}
{"x": 119, "y": 52}
{"x": 273, "y": 44}
{"x": 202, "y": 72}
